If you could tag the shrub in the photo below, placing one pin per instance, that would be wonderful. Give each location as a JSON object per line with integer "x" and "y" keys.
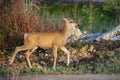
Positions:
{"x": 16, "y": 18}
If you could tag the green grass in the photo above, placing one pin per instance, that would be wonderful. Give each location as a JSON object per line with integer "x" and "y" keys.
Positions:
{"x": 2, "y": 70}
{"x": 64, "y": 70}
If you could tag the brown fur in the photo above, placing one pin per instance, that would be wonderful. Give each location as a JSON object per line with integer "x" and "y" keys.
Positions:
{"x": 47, "y": 40}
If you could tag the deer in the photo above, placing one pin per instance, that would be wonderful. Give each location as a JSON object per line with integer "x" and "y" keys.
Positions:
{"x": 47, "y": 40}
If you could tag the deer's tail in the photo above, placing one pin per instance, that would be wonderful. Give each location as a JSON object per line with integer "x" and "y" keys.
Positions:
{"x": 25, "y": 35}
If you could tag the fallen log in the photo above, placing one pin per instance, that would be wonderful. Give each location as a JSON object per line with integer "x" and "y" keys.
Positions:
{"x": 110, "y": 34}
{"x": 113, "y": 35}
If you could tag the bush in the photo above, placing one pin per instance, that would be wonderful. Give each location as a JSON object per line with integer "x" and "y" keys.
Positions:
{"x": 17, "y": 17}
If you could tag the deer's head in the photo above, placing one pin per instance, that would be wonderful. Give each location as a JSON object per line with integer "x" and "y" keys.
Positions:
{"x": 70, "y": 24}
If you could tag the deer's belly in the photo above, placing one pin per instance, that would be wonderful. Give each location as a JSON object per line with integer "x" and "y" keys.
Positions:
{"x": 45, "y": 45}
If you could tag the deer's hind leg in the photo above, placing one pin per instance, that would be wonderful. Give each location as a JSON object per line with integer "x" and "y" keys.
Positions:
{"x": 28, "y": 53}
{"x": 18, "y": 49}
{"x": 68, "y": 54}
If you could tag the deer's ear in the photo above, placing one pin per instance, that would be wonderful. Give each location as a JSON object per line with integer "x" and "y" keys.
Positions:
{"x": 64, "y": 19}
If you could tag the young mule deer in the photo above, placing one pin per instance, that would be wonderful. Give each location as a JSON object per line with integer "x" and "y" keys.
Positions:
{"x": 47, "y": 40}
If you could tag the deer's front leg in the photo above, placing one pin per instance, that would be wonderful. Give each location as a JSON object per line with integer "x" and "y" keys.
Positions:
{"x": 68, "y": 54}
{"x": 55, "y": 56}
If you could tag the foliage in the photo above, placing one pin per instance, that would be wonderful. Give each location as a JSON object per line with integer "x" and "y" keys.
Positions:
{"x": 2, "y": 70}
{"x": 114, "y": 7}
{"x": 17, "y": 18}
{"x": 92, "y": 18}
{"x": 111, "y": 5}
{"x": 21, "y": 17}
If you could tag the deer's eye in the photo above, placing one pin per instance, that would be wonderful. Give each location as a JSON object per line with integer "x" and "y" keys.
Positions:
{"x": 71, "y": 21}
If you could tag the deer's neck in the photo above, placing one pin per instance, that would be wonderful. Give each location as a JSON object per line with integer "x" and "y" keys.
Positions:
{"x": 67, "y": 32}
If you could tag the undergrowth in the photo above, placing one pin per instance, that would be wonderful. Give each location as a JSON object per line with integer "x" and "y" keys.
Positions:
{"x": 110, "y": 65}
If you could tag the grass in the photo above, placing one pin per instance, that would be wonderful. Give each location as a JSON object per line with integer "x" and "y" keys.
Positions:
{"x": 64, "y": 70}
{"x": 2, "y": 70}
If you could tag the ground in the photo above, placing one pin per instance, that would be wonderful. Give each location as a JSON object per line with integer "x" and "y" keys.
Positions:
{"x": 63, "y": 77}
{"x": 97, "y": 57}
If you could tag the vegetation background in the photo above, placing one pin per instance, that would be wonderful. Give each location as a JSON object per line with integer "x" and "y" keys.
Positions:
{"x": 20, "y": 16}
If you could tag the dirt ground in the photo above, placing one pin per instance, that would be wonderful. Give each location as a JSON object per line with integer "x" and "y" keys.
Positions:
{"x": 63, "y": 77}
